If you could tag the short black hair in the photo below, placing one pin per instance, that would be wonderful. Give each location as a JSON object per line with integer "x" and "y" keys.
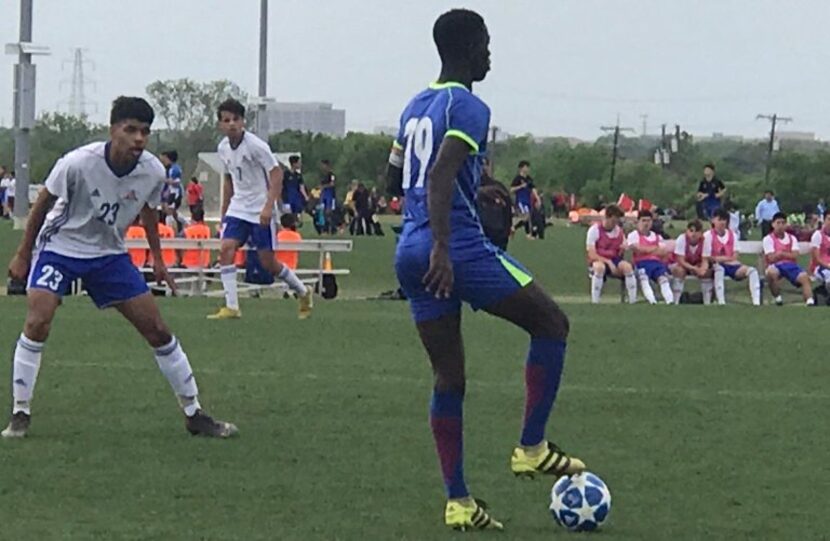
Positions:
{"x": 455, "y": 30}
{"x": 232, "y": 106}
{"x": 695, "y": 225}
{"x": 710, "y": 166}
{"x": 194, "y": 179}
{"x": 288, "y": 221}
{"x": 779, "y": 216}
{"x": 326, "y": 162}
{"x": 131, "y": 108}
{"x": 721, "y": 213}
{"x": 198, "y": 215}
{"x": 772, "y": 193}
{"x": 293, "y": 159}
{"x": 645, "y": 214}
{"x": 524, "y": 163}
{"x": 171, "y": 154}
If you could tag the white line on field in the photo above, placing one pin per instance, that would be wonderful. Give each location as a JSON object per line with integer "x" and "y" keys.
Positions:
{"x": 694, "y": 394}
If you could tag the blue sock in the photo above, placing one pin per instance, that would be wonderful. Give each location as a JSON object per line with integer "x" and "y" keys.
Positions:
{"x": 543, "y": 371}
{"x": 446, "y": 420}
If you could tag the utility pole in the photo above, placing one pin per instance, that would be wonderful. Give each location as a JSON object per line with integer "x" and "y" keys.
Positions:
{"x": 644, "y": 117}
{"x": 616, "y": 129}
{"x": 494, "y": 130}
{"x": 24, "y": 109}
{"x": 261, "y": 124}
{"x": 774, "y": 119}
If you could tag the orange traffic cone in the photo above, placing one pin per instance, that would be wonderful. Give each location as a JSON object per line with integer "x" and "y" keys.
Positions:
{"x": 327, "y": 266}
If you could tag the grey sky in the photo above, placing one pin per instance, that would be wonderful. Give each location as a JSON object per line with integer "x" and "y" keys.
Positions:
{"x": 560, "y": 67}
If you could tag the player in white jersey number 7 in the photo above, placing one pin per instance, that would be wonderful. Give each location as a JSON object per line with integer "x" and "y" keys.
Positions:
{"x": 252, "y": 187}
{"x": 76, "y": 232}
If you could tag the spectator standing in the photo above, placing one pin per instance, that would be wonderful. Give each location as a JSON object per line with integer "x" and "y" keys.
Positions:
{"x": 3, "y": 185}
{"x": 172, "y": 193}
{"x": 821, "y": 210}
{"x": 523, "y": 190}
{"x": 710, "y": 191}
{"x": 362, "y": 201}
{"x": 195, "y": 197}
{"x": 328, "y": 195}
{"x": 294, "y": 194}
{"x": 11, "y": 185}
{"x": 765, "y": 210}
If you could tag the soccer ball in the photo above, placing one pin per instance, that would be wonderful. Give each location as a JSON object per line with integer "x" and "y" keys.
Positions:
{"x": 580, "y": 502}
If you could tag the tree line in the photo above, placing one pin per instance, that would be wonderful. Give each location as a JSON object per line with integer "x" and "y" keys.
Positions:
{"x": 800, "y": 171}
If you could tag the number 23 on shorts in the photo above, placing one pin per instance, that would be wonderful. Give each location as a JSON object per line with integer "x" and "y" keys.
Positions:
{"x": 50, "y": 278}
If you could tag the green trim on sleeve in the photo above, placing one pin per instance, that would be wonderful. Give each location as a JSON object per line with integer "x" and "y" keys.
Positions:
{"x": 397, "y": 145}
{"x": 464, "y": 137}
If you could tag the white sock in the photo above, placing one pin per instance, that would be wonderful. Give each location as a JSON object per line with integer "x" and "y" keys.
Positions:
{"x": 290, "y": 277}
{"x": 810, "y": 302}
{"x": 754, "y": 286}
{"x": 176, "y": 368}
{"x": 631, "y": 286}
{"x": 677, "y": 288}
{"x": 596, "y": 288}
{"x": 720, "y": 294}
{"x": 665, "y": 290}
{"x": 648, "y": 293}
{"x": 228, "y": 273}
{"x": 706, "y": 287}
{"x": 24, "y": 373}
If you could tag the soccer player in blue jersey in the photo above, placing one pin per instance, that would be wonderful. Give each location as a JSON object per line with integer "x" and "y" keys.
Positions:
{"x": 444, "y": 259}
{"x": 76, "y": 232}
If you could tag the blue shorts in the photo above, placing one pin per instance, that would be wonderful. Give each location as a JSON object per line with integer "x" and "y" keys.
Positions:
{"x": 822, "y": 273}
{"x": 524, "y": 208}
{"x": 789, "y": 270}
{"x": 652, "y": 269}
{"x": 483, "y": 274}
{"x": 259, "y": 236}
{"x": 615, "y": 261}
{"x": 709, "y": 207}
{"x": 109, "y": 280}
{"x": 297, "y": 205}
{"x": 731, "y": 270}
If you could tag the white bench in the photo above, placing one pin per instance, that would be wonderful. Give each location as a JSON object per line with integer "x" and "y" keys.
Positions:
{"x": 200, "y": 277}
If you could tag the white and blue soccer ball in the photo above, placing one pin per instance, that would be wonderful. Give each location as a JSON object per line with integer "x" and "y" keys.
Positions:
{"x": 580, "y": 502}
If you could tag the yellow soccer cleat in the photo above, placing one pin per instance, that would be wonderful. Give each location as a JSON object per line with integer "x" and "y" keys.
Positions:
{"x": 226, "y": 313}
{"x": 306, "y": 304}
{"x": 550, "y": 461}
{"x": 469, "y": 515}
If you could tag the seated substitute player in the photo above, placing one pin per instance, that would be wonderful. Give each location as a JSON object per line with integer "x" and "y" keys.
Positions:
{"x": 781, "y": 256}
{"x": 820, "y": 248}
{"x": 648, "y": 258}
{"x": 248, "y": 208}
{"x": 95, "y": 192}
{"x": 444, "y": 259}
{"x": 689, "y": 261}
{"x": 605, "y": 246}
{"x": 720, "y": 247}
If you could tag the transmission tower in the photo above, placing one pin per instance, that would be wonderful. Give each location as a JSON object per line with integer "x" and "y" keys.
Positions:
{"x": 77, "y": 105}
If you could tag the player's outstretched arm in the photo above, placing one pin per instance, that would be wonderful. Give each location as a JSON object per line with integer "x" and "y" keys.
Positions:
{"x": 440, "y": 185}
{"x": 227, "y": 193}
{"x": 150, "y": 220}
{"x": 394, "y": 171}
{"x": 274, "y": 194}
{"x": 19, "y": 266}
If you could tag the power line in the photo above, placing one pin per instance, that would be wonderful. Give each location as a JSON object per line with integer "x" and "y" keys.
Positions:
{"x": 774, "y": 119}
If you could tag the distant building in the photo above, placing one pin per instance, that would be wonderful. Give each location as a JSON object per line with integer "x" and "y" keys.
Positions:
{"x": 314, "y": 117}
{"x": 795, "y": 135}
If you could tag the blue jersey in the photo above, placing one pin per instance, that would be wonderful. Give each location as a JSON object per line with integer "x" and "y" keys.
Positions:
{"x": 442, "y": 110}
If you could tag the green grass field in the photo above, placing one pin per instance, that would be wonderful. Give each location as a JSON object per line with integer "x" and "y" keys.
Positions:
{"x": 703, "y": 421}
